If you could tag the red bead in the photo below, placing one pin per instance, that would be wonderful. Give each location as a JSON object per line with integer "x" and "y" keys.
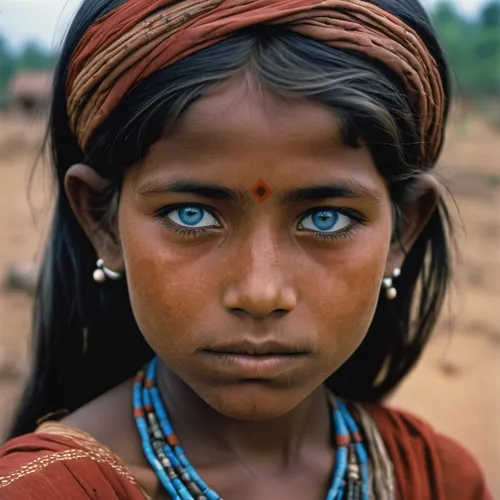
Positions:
{"x": 173, "y": 440}
{"x": 357, "y": 437}
{"x": 342, "y": 440}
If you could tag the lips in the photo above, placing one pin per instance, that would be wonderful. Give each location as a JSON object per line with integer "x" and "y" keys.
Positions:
{"x": 250, "y": 360}
{"x": 258, "y": 349}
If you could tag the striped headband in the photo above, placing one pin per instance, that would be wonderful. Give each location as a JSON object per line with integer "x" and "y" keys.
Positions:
{"x": 140, "y": 37}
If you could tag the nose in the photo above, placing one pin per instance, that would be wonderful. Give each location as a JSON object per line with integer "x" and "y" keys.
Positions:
{"x": 260, "y": 283}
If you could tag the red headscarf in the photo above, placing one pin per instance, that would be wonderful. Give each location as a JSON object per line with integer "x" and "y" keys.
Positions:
{"x": 141, "y": 37}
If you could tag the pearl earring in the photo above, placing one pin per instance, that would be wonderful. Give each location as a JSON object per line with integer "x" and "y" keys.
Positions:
{"x": 388, "y": 283}
{"x": 102, "y": 273}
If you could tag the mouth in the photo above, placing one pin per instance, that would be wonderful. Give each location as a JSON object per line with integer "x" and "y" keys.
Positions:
{"x": 247, "y": 360}
{"x": 257, "y": 349}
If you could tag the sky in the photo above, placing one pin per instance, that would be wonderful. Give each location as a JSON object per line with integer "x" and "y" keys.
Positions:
{"x": 45, "y": 21}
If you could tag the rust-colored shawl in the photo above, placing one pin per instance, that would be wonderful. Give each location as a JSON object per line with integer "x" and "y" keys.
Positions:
{"x": 141, "y": 37}
{"x": 60, "y": 463}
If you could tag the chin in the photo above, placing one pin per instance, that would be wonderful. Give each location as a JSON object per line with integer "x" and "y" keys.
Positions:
{"x": 254, "y": 400}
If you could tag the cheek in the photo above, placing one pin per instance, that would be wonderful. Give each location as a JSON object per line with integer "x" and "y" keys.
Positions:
{"x": 348, "y": 295}
{"x": 164, "y": 293}
{"x": 171, "y": 288}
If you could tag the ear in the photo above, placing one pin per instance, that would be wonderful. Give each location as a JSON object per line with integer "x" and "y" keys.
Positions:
{"x": 417, "y": 208}
{"x": 86, "y": 191}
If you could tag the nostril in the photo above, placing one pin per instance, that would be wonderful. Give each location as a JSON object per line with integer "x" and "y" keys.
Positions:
{"x": 259, "y": 301}
{"x": 277, "y": 313}
{"x": 238, "y": 310}
{"x": 280, "y": 312}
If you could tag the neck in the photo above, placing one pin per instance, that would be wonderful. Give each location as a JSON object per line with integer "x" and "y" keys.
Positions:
{"x": 206, "y": 434}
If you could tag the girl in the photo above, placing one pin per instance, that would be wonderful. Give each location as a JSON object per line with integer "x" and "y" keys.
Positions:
{"x": 254, "y": 181}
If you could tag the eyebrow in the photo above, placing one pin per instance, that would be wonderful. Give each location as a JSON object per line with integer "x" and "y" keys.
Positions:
{"x": 211, "y": 191}
{"x": 340, "y": 189}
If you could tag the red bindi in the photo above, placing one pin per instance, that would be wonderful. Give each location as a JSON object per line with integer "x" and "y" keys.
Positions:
{"x": 261, "y": 191}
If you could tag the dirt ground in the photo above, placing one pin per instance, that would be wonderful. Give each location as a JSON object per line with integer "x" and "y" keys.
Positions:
{"x": 457, "y": 383}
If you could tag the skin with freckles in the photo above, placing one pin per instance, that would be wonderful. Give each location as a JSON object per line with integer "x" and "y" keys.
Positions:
{"x": 250, "y": 306}
{"x": 249, "y": 271}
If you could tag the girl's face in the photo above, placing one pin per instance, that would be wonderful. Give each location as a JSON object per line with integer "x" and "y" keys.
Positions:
{"x": 254, "y": 243}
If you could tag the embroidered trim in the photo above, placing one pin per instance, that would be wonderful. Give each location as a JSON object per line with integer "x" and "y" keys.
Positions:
{"x": 82, "y": 438}
{"x": 41, "y": 463}
{"x": 93, "y": 450}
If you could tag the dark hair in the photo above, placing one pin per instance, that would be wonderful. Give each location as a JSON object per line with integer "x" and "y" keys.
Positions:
{"x": 85, "y": 335}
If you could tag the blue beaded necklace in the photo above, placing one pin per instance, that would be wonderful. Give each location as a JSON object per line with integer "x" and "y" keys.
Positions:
{"x": 350, "y": 480}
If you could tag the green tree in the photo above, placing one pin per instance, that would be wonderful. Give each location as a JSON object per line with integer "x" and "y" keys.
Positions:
{"x": 446, "y": 15}
{"x": 490, "y": 15}
{"x": 7, "y": 69}
{"x": 34, "y": 58}
{"x": 488, "y": 47}
{"x": 472, "y": 46}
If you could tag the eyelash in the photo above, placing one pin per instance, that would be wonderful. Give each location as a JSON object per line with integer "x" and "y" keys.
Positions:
{"x": 184, "y": 231}
{"x": 357, "y": 220}
{"x": 356, "y": 217}
{"x": 162, "y": 217}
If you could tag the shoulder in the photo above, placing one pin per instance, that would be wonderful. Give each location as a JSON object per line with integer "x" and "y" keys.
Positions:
{"x": 423, "y": 456}
{"x": 59, "y": 462}
{"x": 108, "y": 418}
{"x": 81, "y": 457}
{"x": 457, "y": 462}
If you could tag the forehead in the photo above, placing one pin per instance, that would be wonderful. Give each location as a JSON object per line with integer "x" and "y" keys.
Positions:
{"x": 239, "y": 131}
{"x": 241, "y": 107}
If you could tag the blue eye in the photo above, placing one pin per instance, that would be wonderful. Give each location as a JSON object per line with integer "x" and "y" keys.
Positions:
{"x": 193, "y": 217}
{"x": 326, "y": 221}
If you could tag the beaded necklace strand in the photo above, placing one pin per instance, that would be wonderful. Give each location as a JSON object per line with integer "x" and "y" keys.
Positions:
{"x": 350, "y": 479}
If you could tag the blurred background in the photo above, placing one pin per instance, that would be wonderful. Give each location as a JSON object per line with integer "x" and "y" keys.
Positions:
{"x": 457, "y": 383}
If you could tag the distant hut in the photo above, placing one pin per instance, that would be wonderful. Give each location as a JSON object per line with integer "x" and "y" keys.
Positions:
{"x": 29, "y": 92}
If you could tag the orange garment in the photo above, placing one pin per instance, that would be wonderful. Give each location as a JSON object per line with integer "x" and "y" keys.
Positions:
{"x": 428, "y": 465}
{"x": 71, "y": 465}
